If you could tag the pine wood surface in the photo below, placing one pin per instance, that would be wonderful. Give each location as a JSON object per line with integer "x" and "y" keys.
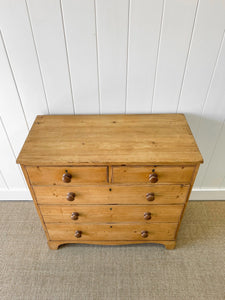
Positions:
{"x": 140, "y": 174}
{"x": 111, "y": 213}
{"x": 95, "y": 232}
{"x": 110, "y": 139}
{"x": 53, "y": 175}
{"x": 112, "y": 194}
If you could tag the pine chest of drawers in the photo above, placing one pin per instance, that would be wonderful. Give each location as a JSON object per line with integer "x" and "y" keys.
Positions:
{"x": 110, "y": 179}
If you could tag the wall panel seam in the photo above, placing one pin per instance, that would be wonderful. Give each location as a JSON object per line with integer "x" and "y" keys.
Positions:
{"x": 14, "y": 80}
{"x": 37, "y": 56}
{"x": 4, "y": 180}
{"x": 158, "y": 51}
{"x": 188, "y": 53}
{"x": 210, "y": 83}
{"x": 11, "y": 147}
{"x": 67, "y": 57}
{"x": 97, "y": 58}
{"x": 128, "y": 43}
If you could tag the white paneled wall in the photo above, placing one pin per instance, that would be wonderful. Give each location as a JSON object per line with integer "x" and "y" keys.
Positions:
{"x": 113, "y": 56}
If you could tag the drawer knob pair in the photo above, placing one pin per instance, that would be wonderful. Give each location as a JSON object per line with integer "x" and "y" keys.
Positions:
{"x": 153, "y": 177}
{"x": 78, "y": 234}
{"x": 74, "y": 215}
{"x": 70, "y": 196}
{"x": 66, "y": 177}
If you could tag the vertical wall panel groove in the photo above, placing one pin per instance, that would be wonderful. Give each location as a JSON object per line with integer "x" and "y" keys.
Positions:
{"x": 97, "y": 56}
{"x": 47, "y": 25}
{"x": 158, "y": 51}
{"x": 144, "y": 32}
{"x": 80, "y": 14}
{"x": 39, "y": 66}
{"x": 174, "y": 43}
{"x": 112, "y": 29}
{"x": 14, "y": 24}
{"x": 202, "y": 57}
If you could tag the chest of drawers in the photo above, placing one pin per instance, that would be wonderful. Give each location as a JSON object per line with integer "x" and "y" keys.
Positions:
{"x": 111, "y": 179}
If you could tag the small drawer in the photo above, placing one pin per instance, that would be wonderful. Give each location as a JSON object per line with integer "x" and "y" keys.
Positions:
{"x": 68, "y": 176}
{"x": 110, "y": 213}
{"x": 152, "y": 174}
{"x": 112, "y": 194}
{"x": 112, "y": 232}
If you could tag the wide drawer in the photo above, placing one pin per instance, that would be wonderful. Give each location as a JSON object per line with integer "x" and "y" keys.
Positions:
{"x": 163, "y": 174}
{"x": 111, "y": 213}
{"x": 112, "y": 194}
{"x": 76, "y": 175}
{"x": 116, "y": 232}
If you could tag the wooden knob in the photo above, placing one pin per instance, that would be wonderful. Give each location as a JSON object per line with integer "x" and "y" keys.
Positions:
{"x": 70, "y": 196}
{"x": 150, "y": 196}
{"x": 74, "y": 215}
{"x": 153, "y": 177}
{"x": 78, "y": 234}
{"x": 66, "y": 177}
{"x": 147, "y": 215}
{"x": 144, "y": 234}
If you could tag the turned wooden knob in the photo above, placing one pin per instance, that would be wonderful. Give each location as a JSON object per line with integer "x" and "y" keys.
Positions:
{"x": 153, "y": 177}
{"x": 78, "y": 234}
{"x": 70, "y": 196}
{"x": 74, "y": 215}
{"x": 150, "y": 196}
{"x": 147, "y": 215}
{"x": 66, "y": 177}
{"x": 144, "y": 233}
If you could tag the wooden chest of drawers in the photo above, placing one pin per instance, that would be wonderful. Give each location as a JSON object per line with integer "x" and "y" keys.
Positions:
{"x": 112, "y": 179}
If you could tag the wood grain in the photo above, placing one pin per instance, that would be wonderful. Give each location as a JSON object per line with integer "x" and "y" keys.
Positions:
{"x": 110, "y": 139}
{"x": 53, "y": 175}
{"x": 110, "y": 213}
{"x": 112, "y": 194}
{"x": 95, "y": 232}
{"x": 136, "y": 174}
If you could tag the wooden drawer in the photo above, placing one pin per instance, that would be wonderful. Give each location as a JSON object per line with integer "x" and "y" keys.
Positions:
{"x": 54, "y": 175}
{"x": 113, "y": 194}
{"x": 140, "y": 174}
{"x": 111, "y": 213}
{"x": 107, "y": 232}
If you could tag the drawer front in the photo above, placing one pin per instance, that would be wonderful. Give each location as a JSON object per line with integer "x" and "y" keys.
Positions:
{"x": 74, "y": 175}
{"x": 139, "y": 174}
{"x": 112, "y": 194}
{"x": 110, "y": 213}
{"x": 116, "y": 232}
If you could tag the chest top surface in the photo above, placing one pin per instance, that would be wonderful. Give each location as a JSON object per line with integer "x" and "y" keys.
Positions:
{"x": 110, "y": 139}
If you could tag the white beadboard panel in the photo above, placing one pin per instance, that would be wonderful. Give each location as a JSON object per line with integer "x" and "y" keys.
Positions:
{"x": 16, "y": 31}
{"x": 112, "y": 36}
{"x": 174, "y": 44}
{"x": 113, "y": 56}
{"x": 205, "y": 45}
{"x": 214, "y": 175}
{"x": 8, "y": 165}
{"x": 144, "y": 31}
{"x": 213, "y": 115}
{"x": 47, "y": 26}
{"x": 11, "y": 111}
{"x": 80, "y": 32}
